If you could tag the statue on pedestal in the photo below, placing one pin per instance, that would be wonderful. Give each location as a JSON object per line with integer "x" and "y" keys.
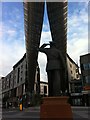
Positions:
{"x": 55, "y": 69}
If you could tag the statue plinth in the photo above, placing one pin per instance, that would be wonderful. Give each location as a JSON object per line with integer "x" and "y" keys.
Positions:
{"x": 55, "y": 107}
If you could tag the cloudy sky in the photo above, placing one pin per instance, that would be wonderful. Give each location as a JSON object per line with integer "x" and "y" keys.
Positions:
{"x": 12, "y": 37}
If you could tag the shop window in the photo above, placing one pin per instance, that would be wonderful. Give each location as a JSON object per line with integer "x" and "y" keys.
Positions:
{"x": 77, "y": 102}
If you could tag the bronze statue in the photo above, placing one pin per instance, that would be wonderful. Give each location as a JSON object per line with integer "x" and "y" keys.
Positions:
{"x": 55, "y": 63}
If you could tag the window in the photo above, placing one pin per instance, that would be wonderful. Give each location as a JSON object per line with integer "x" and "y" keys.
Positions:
{"x": 21, "y": 78}
{"x": 89, "y": 65}
{"x": 9, "y": 82}
{"x": 82, "y": 68}
{"x": 45, "y": 89}
{"x": 21, "y": 73}
{"x": 86, "y": 66}
{"x": 26, "y": 66}
{"x": 76, "y": 70}
{"x": 21, "y": 66}
{"x": 26, "y": 73}
{"x": 18, "y": 75}
{"x": 87, "y": 79}
{"x": 70, "y": 65}
{"x": 77, "y": 76}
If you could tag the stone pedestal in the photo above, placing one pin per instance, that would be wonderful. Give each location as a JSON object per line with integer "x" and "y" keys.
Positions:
{"x": 54, "y": 108}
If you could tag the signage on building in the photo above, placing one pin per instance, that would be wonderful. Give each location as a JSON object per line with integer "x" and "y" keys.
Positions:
{"x": 86, "y": 87}
{"x": 76, "y": 94}
{"x": 86, "y": 92}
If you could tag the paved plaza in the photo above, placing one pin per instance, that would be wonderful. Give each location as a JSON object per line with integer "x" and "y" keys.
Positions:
{"x": 81, "y": 113}
{"x": 32, "y": 113}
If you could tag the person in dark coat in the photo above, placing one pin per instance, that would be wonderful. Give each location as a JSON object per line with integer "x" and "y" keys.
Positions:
{"x": 55, "y": 69}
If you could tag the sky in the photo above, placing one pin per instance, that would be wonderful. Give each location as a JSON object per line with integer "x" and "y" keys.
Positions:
{"x": 12, "y": 36}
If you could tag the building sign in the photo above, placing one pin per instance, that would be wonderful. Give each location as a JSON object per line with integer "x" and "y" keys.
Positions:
{"x": 86, "y": 87}
{"x": 86, "y": 92}
{"x": 76, "y": 94}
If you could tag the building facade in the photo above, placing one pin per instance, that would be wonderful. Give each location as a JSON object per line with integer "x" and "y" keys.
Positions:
{"x": 14, "y": 85}
{"x": 7, "y": 88}
{"x": 85, "y": 71}
{"x": 33, "y": 21}
{"x": 76, "y": 96}
{"x": 74, "y": 82}
{"x": 73, "y": 71}
{"x": 44, "y": 88}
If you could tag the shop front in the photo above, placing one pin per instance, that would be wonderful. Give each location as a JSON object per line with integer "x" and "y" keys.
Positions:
{"x": 86, "y": 98}
{"x": 76, "y": 99}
